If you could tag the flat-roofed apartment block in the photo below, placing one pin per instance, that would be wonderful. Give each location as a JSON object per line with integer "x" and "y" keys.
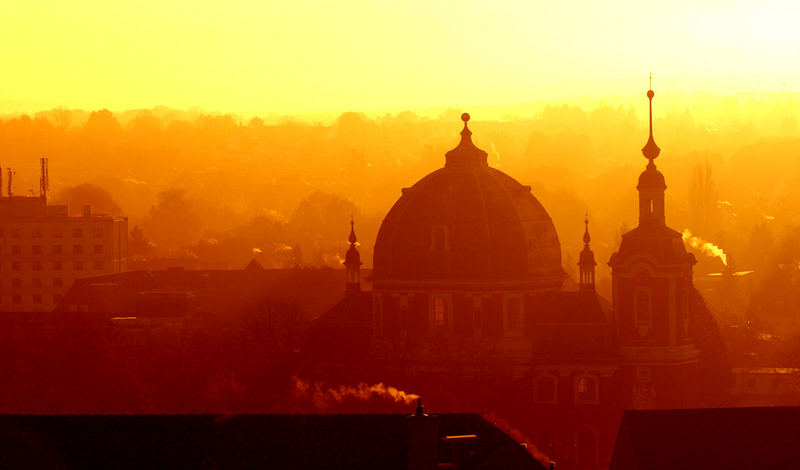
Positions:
{"x": 43, "y": 250}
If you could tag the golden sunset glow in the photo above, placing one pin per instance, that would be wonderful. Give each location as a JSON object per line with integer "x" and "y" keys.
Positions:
{"x": 304, "y": 56}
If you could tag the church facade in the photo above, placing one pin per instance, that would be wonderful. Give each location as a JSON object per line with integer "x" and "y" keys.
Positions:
{"x": 469, "y": 304}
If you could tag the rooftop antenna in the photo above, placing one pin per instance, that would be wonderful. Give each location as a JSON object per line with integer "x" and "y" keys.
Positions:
{"x": 10, "y": 175}
{"x": 44, "y": 181}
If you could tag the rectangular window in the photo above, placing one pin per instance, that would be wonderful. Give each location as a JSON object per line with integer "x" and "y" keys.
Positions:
{"x": 58, "y": 282}
{"x": 36, "y": 233}
{"x": 56, "y": 249}
{"x": 16, "y": 266}
{"x": 16, "y": 250}
{"x": 77, "y": 233}
{"x": 16, "y": 299}
{"x": 98, "y": 249}
{"x": 36, "y": 249}
{"x": 16, "y": 282}
{"x": 16, "y": 233}
{"x": 57, "y": 233}
{"x": 57, "y": 266}
{"x": 78, "y": 266}
{"x": 37, "y": 265}
{"x": 98, "y": 232}
{"x": 77, "y": 249}
{"x": 37, "y": 299}
{"x": 37, "y": 282}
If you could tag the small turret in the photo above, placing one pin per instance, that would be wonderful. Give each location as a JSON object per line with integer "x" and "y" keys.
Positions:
{"x": 586, "y": 262}
{"x": 352, "y": 263}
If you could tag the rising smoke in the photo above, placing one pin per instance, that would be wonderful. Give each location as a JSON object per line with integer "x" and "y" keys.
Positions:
{"x": 706, "y": 247}
{"x": 323, "y": 396}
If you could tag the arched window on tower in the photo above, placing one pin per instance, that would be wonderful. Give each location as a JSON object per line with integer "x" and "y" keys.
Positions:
{"x": 643, "y": 312}
{"x": 586, "y": 449}
{"x": 586, "y": 390}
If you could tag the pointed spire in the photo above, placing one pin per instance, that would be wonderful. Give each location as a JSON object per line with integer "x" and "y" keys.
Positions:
{"x": 586, "y": 262}
{"x": 650, "y": 149}
{"x": 586, "y": 237}
{"x": 352, "y": 238}
{"x": 352, "y": 262}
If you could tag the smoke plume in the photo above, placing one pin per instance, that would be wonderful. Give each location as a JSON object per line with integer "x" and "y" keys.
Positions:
{"x": 706, "y": 247}
{"x": 323, "y": 396}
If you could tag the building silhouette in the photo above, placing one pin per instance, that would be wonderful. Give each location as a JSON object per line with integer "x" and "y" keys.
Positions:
{"x": 469, "y": 295}
{"x": 295, "y": 441}
{"x": 43, "y": 249}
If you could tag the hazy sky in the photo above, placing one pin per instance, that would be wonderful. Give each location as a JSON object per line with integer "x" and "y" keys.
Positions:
{"x": 305, "y": 56}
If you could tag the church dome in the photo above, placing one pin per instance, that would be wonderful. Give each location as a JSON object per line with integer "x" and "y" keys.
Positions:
{"x": 468, "y": 224}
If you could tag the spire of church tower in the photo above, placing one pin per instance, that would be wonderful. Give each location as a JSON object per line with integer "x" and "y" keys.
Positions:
{"x": 586, "y": 262}
{"x": 651, "y": 182}
{"x": 650, "y": 149}
{"x": 352, "y": 262}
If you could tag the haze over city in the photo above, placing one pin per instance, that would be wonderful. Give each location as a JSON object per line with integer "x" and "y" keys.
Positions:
{"x": 569, "y": 229}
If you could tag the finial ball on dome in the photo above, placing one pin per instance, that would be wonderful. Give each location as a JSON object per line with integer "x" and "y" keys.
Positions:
{"x": 650, "y": 94}
{"x": 465, "y": 117}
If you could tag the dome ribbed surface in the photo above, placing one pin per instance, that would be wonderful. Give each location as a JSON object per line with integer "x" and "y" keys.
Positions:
{"x": 465, "y": 223}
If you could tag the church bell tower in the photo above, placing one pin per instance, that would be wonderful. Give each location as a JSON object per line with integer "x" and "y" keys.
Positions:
{"x": 652, "y": 284}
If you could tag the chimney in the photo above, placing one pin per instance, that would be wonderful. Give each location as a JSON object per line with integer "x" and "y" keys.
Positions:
{"x": 87, "y": 210}
{"x": 423, "y": 440}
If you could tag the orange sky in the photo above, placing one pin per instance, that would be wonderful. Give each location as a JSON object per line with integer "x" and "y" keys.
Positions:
{"x": 308, "y": 56}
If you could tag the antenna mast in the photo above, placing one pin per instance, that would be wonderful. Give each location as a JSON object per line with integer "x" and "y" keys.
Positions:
{"x": 44, "y": 181}
{"x": 10, "y": 175}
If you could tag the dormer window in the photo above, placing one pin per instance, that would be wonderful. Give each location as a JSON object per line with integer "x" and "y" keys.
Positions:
{"x": 439, "y": 240}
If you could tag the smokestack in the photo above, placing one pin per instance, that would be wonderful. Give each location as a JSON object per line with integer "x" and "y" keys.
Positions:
{"x": 423, "y": 440}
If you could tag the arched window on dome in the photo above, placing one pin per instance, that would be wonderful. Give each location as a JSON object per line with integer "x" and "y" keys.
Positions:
{"x": 643, "y": 312}
{"x": 545, "y": 389}
{"x": 439, "y": 239}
